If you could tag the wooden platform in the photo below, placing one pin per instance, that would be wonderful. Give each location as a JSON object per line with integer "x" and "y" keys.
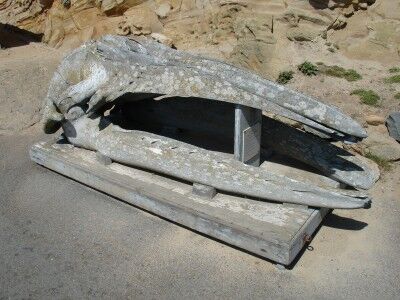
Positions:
{"x": 274, "y": 231}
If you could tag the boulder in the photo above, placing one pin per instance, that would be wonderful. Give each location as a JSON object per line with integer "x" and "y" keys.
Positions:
{"x": 380, "y": 144}
{"x": 393, "y": 125}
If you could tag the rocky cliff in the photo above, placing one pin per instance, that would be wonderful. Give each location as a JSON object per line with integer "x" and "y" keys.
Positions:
{"x": 261, "y": 35}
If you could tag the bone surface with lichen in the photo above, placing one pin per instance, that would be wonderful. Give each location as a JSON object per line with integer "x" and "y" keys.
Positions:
{"x": 98, "y": 73}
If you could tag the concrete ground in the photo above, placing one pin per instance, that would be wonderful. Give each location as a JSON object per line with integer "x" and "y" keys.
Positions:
{"x": 60, "y": 239}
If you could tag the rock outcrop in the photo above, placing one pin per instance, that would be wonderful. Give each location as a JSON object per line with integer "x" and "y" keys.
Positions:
{"x": 379, "y": 144}
{"x": 393, "y": 125}
{"x": 254, "y": 34}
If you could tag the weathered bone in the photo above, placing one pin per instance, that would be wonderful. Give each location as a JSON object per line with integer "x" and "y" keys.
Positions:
{"x": 331, "y": 160}
{"x": 215, "y": 118}
{"x": 99, "y": 73}
{"x": 178, "y": 159}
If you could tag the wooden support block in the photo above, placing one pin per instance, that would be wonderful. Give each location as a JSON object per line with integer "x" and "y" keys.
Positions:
{"x": 247, "y": 135}
{"x": 104, "y": 160}
{"x": 204, "y": 191}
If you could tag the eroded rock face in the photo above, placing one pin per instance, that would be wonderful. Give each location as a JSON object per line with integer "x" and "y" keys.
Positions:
{"x": 26, "y": 14}
{"x": 255, "y": 34}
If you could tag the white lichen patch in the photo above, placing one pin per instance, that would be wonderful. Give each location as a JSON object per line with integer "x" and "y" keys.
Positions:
{"x": 156, "y": 151}
{"x": 318, "y": 112}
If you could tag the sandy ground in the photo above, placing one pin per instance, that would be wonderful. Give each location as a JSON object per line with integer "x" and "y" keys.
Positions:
{"x": 59, "y": 239}
{"x": 337, "y": 91}
{"x": 24, "y": 76}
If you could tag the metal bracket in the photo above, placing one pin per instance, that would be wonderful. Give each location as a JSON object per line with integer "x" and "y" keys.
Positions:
{"x": 247, "y": 135}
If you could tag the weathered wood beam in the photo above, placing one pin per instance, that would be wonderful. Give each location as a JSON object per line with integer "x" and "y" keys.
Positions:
{"x": 267, "y": 229}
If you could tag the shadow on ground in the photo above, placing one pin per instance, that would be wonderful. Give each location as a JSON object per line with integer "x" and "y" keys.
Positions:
{"x": 338, "y": 222}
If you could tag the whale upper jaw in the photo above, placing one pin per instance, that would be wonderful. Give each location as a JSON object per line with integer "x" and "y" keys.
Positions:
{"x": 99, "y": 72}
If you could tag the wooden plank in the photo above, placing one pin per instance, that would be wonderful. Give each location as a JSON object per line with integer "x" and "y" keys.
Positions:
{"x": 270, "y": 230}
{"x": 306, "y": 231}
